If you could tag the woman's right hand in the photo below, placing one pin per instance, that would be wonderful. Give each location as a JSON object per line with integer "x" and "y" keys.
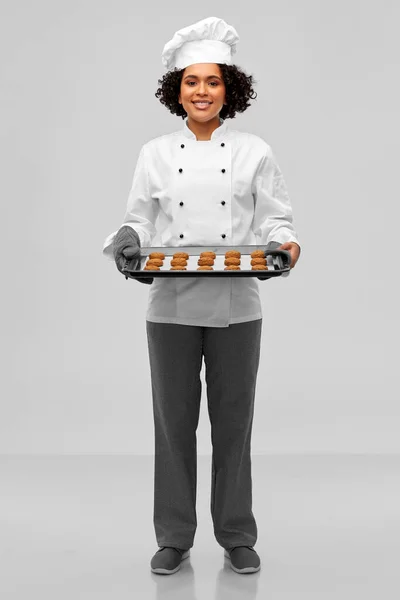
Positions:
{"x": 126, "y": 247}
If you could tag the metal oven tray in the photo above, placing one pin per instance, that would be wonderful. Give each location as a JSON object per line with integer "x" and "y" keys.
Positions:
{"x": 278, "y": 262}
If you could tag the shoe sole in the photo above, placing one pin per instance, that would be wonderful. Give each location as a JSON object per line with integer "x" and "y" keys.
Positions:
{"x": 245, "y": 569}
{"x": 160, "y": 571}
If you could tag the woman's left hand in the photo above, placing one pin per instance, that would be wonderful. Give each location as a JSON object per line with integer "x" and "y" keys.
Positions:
{"x": 294, "y": 250}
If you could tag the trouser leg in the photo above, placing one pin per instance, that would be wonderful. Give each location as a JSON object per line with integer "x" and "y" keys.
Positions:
{"x": 175, "y": 353}
{"x": 232, "y": 357}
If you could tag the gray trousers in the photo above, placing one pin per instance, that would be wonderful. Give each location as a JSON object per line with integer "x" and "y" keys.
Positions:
{"x": 231, "y": 356}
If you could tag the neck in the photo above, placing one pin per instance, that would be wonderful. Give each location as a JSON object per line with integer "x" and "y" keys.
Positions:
{"x": 203, "y": 131}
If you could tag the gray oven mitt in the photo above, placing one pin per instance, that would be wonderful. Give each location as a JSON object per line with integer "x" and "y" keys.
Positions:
{"x": 270, "y": 246}
{"x": 126, "y": 245}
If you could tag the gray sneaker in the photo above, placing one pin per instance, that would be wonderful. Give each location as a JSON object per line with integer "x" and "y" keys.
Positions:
{"x": 244, "y": 559}
{"x": 168, "y": 560}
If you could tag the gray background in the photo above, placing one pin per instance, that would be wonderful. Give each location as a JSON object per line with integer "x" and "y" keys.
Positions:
{"x": 77, "y": 84}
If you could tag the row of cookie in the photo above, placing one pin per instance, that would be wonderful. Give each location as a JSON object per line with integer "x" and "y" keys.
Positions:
{"x": 206, "y": 260}
{"x": 228, "y": 254}
{"x": 151, "y": 267}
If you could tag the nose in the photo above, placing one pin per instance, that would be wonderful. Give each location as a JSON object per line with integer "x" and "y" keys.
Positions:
{"x": 202, "y": 88}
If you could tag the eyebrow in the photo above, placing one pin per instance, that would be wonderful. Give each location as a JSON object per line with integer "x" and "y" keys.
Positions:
{"x": 209, "y": 77}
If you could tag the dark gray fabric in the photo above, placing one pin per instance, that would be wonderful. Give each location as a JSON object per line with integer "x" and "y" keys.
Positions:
{"x": 273, "y": 245}
{"x": 126, "y": 245}
{"x": 231, "y": 356}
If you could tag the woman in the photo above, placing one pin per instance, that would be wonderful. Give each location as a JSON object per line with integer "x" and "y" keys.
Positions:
{"x": 208, "y": 185}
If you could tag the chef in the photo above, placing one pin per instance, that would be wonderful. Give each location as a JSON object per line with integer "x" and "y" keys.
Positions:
{"x": 206, "y": 184}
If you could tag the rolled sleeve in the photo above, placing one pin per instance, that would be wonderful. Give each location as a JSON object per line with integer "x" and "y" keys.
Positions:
{"x": 141, "y": 211}
{"x": 273, "y": 215}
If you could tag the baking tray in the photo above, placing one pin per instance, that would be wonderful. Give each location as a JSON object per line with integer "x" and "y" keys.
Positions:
{"x": 278, "y": 262}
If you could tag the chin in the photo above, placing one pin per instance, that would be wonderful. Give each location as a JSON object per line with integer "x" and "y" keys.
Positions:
{"x": 201, "y": 117}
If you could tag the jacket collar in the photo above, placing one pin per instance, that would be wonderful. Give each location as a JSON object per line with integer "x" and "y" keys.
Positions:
{"x": 218, "y": 133}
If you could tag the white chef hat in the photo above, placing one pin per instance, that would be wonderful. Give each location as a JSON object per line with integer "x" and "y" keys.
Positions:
{"x": 208, "y": 41}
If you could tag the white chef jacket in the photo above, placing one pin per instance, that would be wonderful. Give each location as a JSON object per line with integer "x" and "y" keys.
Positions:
{"x": 228, "y": 190}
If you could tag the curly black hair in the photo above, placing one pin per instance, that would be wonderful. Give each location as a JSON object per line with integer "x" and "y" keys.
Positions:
{"x": 238, "y": 91}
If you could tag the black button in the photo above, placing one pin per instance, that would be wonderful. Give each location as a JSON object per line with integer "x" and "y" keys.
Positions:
{"x": 181, "y": 203}
{"x": 223, "y": 202}
{"x": 182, "y": 145}
{"x": 181, "y": 235}
{"x": 222, "y": 144}
{"x": 223, "y": 235}
{"x": 223, "y": 170}
{"x": 180, "y": 170}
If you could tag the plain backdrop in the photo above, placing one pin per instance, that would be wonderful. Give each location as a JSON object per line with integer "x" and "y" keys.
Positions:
{"x": 78, "y": 80}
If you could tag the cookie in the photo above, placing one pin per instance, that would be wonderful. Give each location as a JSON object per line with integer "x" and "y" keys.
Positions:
{"x": 208, "y": 254}
{"x": 232, "y": 268}
{"x": 258, "y": 261}
{"x": 207, "y": 260}
{"x": 179, "y": 261}
{"x": 258, "y": 254}
{"x": 151, "y": 268}
{"x": 232, "y": 254}
{"x": 178, "y": 268}
{"x": 155, "y": 261}
{"x": 205, "y": 268}
{"x": 232, "y": 260}
{"x": 181, "y": 255}
{"x": 157, "y": 255}
{"x": 259, "y": 268}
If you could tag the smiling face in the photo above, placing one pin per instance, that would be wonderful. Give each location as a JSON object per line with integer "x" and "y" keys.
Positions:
{"x": 202, "y": 81}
